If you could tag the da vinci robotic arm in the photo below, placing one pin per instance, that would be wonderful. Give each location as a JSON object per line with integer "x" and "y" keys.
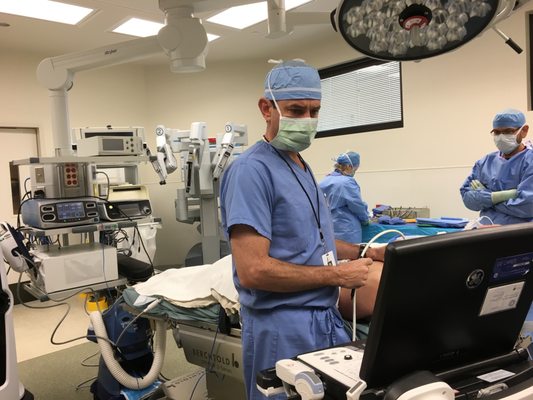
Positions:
{"x": 170, "y": 141}
{"x": 201, "y": 167}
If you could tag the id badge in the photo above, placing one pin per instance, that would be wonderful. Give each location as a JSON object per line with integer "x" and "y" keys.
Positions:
{"x": 328, "y": 258}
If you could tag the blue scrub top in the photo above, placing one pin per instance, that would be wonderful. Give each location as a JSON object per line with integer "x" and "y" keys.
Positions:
{"x": 497, "y": 173}
{"x": 260, "y": 190}
{"x": 348, "y": 209}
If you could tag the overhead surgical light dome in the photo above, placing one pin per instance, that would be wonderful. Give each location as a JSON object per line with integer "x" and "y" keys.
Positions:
{"x": 404, "y": 30}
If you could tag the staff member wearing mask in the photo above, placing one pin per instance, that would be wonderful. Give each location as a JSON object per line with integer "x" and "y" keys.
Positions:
{"x": 501, "y": 183}
{"x": 343, "y": 195}
{"x": 281, "y": 234}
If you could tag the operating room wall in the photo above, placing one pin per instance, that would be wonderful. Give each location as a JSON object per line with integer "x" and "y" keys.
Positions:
{"x": 115, "y": 96}
{"x": 448, "y": 104}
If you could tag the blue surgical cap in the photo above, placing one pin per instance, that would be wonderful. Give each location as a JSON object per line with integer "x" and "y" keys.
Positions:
{"x": 509, "y": 118}
{"x": 293, "y": 80}
{"x": 349, "y": 158}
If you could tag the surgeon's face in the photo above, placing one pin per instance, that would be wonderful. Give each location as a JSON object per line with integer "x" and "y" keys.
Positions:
{"x": 290, "y": 109}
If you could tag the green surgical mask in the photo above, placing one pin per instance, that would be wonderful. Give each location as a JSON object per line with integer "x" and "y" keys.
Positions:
{"x": 295, "y": 134}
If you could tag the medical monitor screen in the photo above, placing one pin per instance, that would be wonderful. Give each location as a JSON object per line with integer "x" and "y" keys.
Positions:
{"x": 112, "y": 144}
{"x": 71, "y": 210}
{"x": 448, "y": 300}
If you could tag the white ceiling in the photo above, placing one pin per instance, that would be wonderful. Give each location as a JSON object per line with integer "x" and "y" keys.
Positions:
{"x": 50, "y": 39}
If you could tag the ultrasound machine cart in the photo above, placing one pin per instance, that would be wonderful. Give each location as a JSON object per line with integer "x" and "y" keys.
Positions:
{"x": 447, "y": 323}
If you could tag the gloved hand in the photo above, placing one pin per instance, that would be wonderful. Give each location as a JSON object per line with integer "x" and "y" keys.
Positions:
{"x": 503, "y": 195}
{"x": 365, "y": 223}
{"x": 477, "y": 185}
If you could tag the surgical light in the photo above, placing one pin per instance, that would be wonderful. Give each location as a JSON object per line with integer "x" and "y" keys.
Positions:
{"x": 403, "y": 30}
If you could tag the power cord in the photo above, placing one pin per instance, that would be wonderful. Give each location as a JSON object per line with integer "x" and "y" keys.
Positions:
{"x": 108, "y": 183}
{"x": 88, "y": 358}
{"x": 83, "y": 385}
{"x": 210, "y": 364}
{"x": 59, "y": 302}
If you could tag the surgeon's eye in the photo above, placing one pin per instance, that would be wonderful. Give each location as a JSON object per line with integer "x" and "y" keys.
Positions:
{"x": 302, "y": 112}
{"x": 296, "y": 111}
{"x": 504, "y": 131}
{"x": 314, "y": 112}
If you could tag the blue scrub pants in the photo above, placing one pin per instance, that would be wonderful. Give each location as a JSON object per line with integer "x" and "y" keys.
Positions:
{"x": 272, "y": 335}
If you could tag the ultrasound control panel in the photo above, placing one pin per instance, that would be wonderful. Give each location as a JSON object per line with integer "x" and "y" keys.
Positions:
{"x": 340, "y": 363}
{"x": 58, "y": 213}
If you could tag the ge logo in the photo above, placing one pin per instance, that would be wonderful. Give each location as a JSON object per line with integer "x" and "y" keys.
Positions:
{"x": 475, "y": 278}
{"x": 227, "y": 128}
{"x": 159, "y": 131}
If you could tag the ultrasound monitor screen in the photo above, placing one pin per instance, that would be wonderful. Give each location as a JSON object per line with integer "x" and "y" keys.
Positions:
{"x": 449, "y": 300}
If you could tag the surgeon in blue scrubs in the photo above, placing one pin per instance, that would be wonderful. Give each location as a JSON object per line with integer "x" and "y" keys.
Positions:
{"x": 501, "y": 183}
{"x": 348, "y": 210}
{"x": 285, "y": 256}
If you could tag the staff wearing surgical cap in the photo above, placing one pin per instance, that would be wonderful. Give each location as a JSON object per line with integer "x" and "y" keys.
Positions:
{"x": 281, "y": 234}
{"x": 343, "y": 194}
{"x": 501, "y": 183}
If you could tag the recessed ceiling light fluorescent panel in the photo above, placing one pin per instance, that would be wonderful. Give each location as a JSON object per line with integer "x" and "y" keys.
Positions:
{"x": 46, "y": 10}
{"x": 241, "y": 17}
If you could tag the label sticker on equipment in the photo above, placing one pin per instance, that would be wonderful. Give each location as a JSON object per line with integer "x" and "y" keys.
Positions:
{"x": 501, "y": 298}
{"x": 495, "y": 375}
{"x": 510, "y": 268}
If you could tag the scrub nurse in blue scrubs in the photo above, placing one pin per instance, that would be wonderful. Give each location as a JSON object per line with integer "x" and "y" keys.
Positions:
{"x": 348, "y": 210}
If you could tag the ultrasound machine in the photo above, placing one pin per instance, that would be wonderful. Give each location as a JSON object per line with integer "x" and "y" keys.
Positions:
{"x": 447, "y": 325}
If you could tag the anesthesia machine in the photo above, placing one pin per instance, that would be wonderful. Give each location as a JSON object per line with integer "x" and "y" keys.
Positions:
{"x": 90, "y": 195}
{"x": 76, "y": 212}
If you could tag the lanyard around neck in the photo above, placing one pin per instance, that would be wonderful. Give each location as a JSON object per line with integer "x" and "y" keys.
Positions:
{"x": 316, "y": 213}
